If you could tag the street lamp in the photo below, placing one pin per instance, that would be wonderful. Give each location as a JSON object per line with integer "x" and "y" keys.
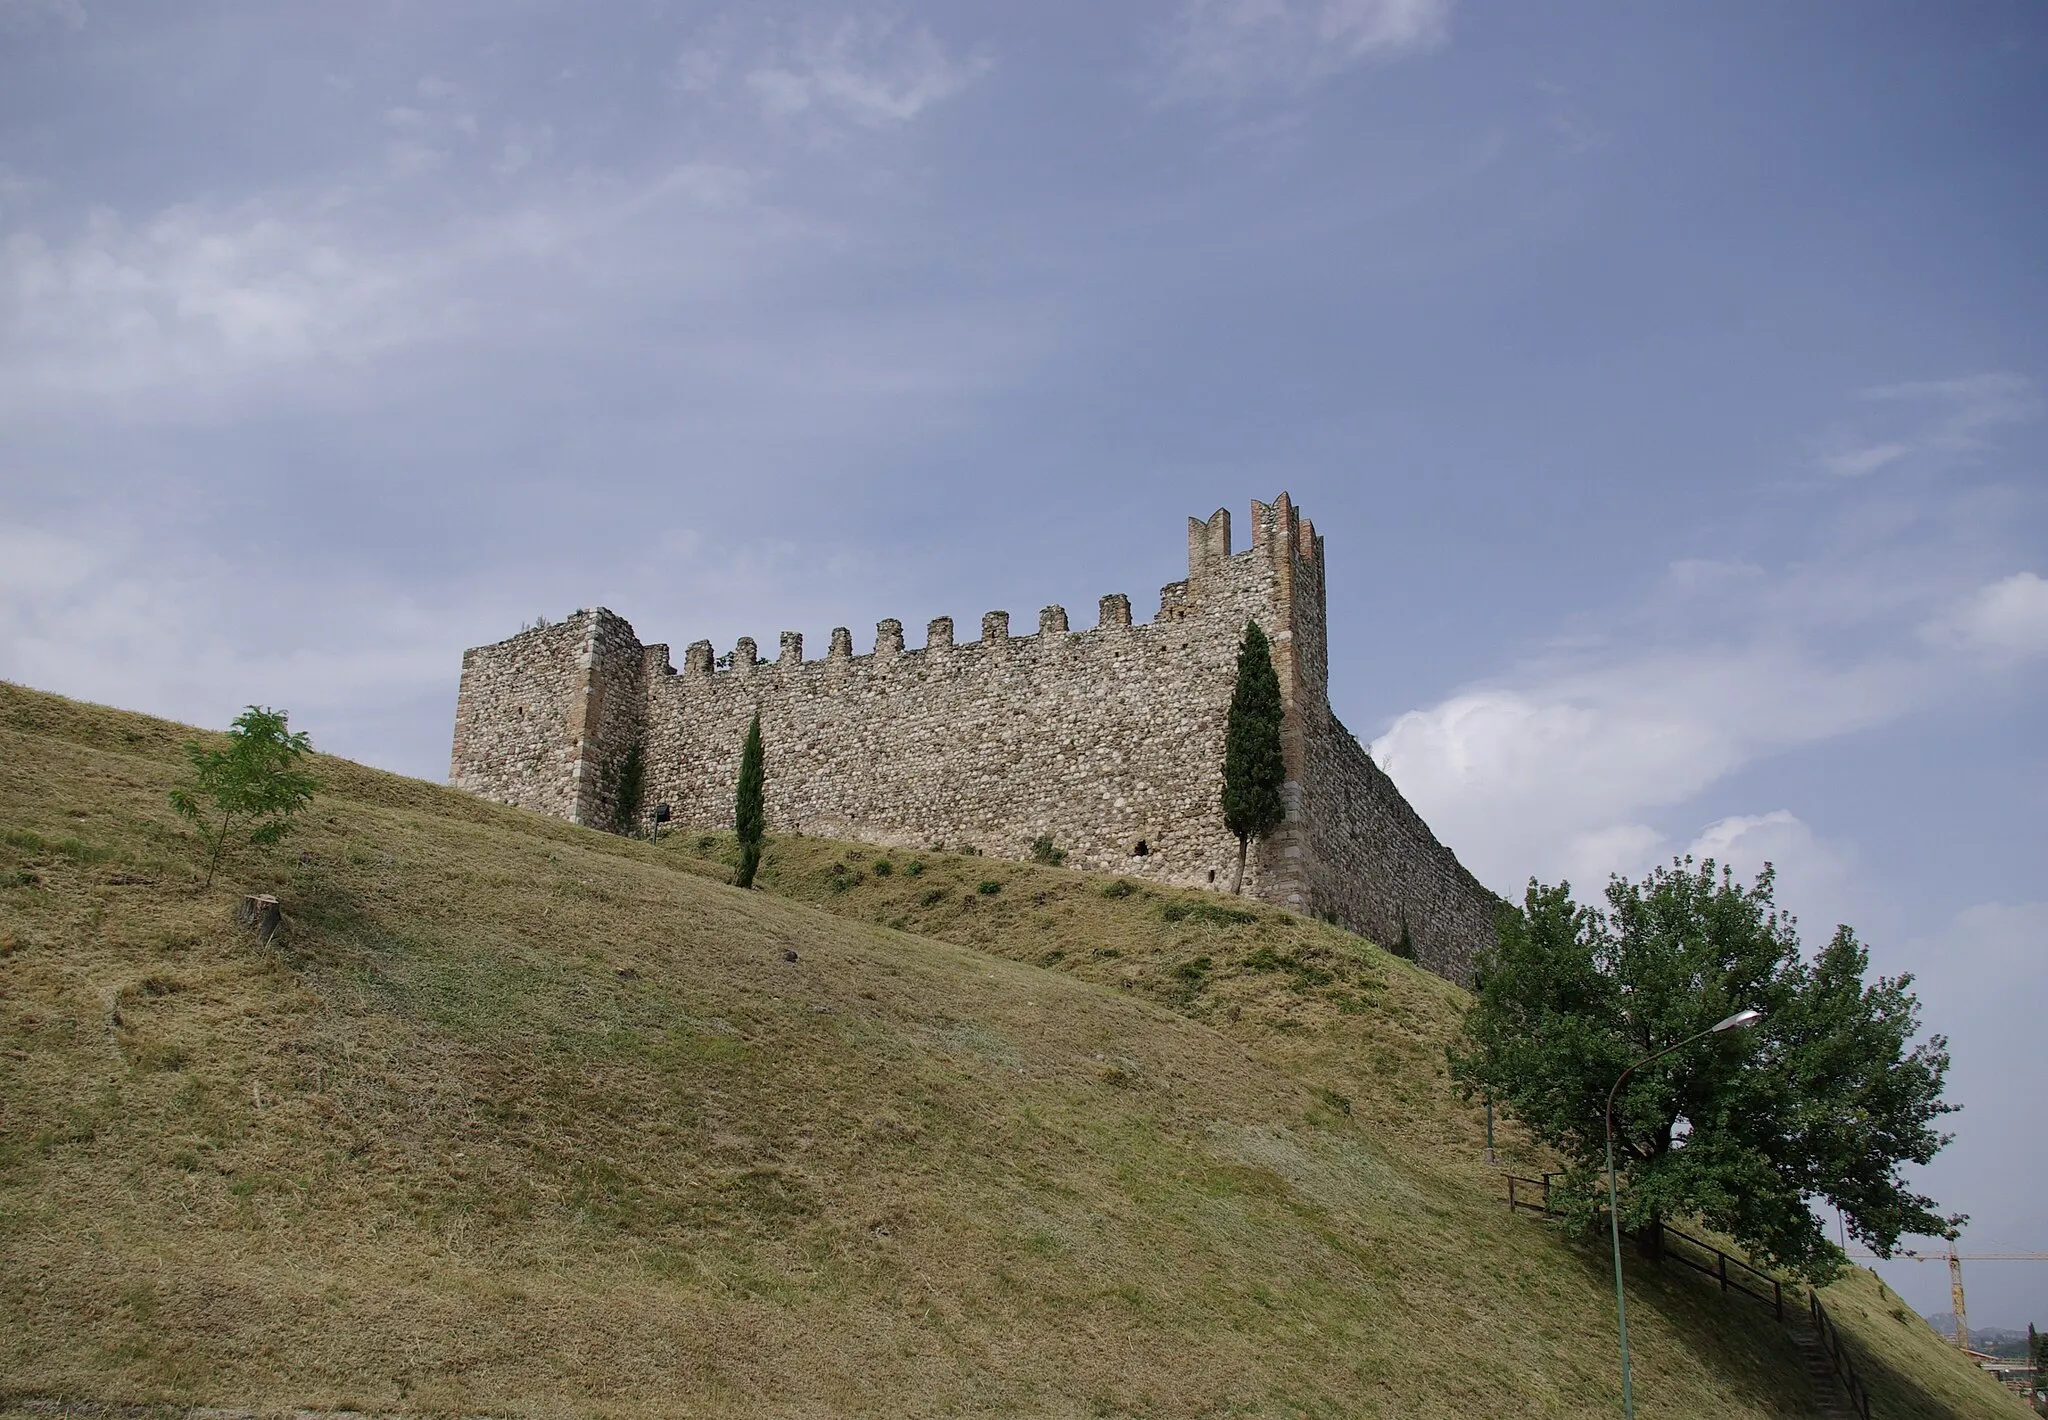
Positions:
{"x": 1737, "y": 1021}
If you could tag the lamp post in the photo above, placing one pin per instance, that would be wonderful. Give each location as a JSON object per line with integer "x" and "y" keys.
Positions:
{"x": 1735, "y": 1022}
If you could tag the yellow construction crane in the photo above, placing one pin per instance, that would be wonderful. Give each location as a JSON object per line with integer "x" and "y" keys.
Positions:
{"x": 1955, "y": 1261}
{"x": 1955, "y": 1298}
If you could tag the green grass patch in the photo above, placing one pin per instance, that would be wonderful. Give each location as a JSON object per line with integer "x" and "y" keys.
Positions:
{"x": 517, "y": 1117}
{"x": 1215, "y": 913}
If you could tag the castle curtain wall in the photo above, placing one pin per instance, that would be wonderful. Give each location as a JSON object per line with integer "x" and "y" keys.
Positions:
{"x": 544, "y": 720}
{"x": 512, "y": 718}
{"x": 1377, "y": 865}
{"x": 1102, "y": 740}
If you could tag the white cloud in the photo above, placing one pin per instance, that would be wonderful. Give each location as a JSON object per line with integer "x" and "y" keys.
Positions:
{"x": 133, "y": 615}
{"x": 1854, "y": 463}
{"x": 1710, "y": 573}
{"x": 524, "y": 145}
{"x": 1928, "y": 421}
{"x": 29, "y": 14}
{"x": 405, "y": 159}
{"x": 192, "y": 293}
{"x": 877, "y": 72}
{"x": 1575, "y": 131}
{"x": 1970, "y": 405}
{"x": 2001, "y": 942}
{"x": 1551, "y": 771}
{"x": 154, "y": 606}
{"x": 1231, "y": 47}
{"x": 1980, "y": 979}
{"x": 2008, "y": 618}
{"x": 699, "y": 68}
{"x": 1570, "y": 763}
{"x": 1816, "y": 878}
{"x": 428, "y": 133}
{"x": 224, "y": 303}
{"x": 1586, "y": 859}
{"x": 1741, "y": 836}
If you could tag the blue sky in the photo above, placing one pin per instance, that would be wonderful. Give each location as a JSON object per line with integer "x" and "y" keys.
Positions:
{"x": 1671, "y": 386}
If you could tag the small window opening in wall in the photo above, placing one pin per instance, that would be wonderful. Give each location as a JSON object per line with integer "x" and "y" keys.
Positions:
{"x": 1141, "y": 850}
{"x": 1212, "y": 876}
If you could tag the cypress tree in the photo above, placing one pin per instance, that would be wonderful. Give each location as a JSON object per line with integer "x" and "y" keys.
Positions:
{"x": 1253, "y": 770}
{"x": 748, "y": 815}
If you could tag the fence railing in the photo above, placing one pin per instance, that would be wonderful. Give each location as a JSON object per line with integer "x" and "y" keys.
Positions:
{"x": 1838, "y": 1356}
{"x": 1735, "y": 1275}
{"x": 1535, "y": 1195}
{"x": 1742, "y": 1278}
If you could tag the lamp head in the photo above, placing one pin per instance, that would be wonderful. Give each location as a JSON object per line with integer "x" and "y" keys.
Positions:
{"x": 1740, "y": 1020}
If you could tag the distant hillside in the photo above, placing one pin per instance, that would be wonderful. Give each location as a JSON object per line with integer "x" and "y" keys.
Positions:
{"x": 521, "y": 1119}
{"x": 1991, "y": 1340}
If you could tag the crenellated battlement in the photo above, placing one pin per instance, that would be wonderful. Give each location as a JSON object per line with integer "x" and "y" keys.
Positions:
{"x": 1106, "y": 739}
{"x": 1113, "y": 614}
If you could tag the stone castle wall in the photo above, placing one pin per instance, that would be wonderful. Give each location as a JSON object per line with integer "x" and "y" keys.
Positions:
{"x": 1377, "y": 865}
{"x": 512, "y": 741}
{"x": 1108, "y": 740}
{"x": 545, "y": 719}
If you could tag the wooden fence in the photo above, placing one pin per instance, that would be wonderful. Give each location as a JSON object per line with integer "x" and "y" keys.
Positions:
{"x": 1734, "y": 1275}
{"x": 1743, "y": 1278}
{"x": 1535, "y": 1195}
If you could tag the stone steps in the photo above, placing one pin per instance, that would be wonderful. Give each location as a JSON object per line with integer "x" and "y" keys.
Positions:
{"x": 1828, "y": 1399}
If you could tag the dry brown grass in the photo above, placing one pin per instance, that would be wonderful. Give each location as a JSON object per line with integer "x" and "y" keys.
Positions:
{"x": 520, "y": 1118}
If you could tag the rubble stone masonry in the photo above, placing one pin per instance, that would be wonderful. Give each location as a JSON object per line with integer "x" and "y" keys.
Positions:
{"x": 1108, "y": 741}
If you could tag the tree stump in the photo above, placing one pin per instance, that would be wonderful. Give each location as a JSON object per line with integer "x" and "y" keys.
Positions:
{"x": 260, "y": 913}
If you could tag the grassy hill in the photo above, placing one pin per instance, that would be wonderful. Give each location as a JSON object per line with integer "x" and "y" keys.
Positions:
{"x": 520, "y": 1118}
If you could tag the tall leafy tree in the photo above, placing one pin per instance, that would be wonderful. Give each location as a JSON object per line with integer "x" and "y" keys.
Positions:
{"x": 749, "y": 816}
{"x": 1825, "y": 1099}
{"x": 247, "y": 790}
{"x": 1253, "y": 771}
